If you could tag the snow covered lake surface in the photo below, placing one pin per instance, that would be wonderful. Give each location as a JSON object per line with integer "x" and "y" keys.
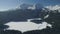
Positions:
{"x": 26, "y": 26}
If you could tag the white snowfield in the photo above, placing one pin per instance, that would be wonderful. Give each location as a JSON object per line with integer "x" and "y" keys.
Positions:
{"x": 26, "y": 26}
{"x": 46, "y": 16}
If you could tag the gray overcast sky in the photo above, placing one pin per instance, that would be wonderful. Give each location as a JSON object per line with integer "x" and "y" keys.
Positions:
{"x": 9, "y": 4}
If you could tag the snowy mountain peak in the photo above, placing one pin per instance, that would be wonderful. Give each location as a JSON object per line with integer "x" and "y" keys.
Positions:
{"x": 56, "y": 7}
{"x": 29, "y": 6}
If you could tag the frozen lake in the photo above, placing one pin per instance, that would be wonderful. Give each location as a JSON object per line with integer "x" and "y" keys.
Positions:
{"x": 26, "y": 26}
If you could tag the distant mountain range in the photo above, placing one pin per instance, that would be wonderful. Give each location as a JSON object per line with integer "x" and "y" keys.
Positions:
{"x": 38, "y": 6}
{"x": 28, "y": 6}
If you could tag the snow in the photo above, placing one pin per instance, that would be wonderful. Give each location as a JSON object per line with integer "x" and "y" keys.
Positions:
{"x": 32, "y": 8}
{"x": 46, "y": 16}
{"x": 55, "y": 7}
{"x": 26, "y": 26}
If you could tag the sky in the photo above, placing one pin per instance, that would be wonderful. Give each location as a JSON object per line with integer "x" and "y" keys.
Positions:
{"x": 11, "y": 4}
